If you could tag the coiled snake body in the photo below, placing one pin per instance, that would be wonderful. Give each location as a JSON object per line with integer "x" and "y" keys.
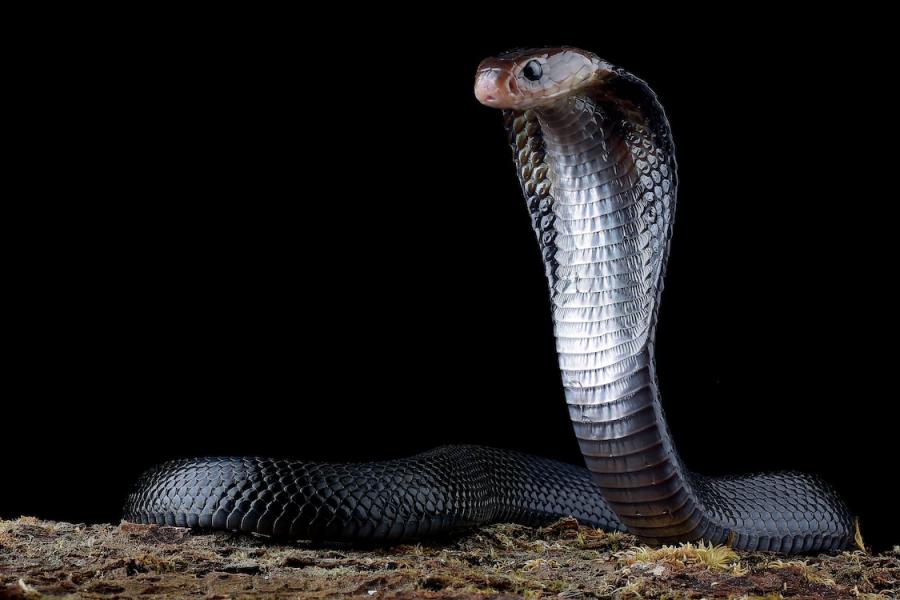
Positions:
{"x": 595, "y": 159}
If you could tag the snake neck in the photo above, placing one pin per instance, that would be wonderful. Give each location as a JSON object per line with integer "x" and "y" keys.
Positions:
{"x": 599, "y": 179}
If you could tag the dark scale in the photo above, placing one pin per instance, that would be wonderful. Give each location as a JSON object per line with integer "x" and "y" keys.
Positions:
{"x": 529, "y": 157}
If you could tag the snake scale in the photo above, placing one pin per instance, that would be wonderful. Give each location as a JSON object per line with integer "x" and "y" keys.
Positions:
{"x": 594, "y": 155}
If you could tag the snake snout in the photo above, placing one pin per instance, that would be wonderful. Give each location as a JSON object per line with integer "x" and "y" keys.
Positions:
{"x": 494, "y": 87}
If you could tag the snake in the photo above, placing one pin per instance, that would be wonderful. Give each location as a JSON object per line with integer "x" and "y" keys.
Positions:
{"x": 595, "y": 160}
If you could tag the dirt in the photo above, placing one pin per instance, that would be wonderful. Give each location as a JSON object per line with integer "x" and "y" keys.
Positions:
{"x": 54, "y": 559}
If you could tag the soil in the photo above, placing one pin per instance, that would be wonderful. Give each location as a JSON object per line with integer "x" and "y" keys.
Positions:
{"x": 55, "y": 559}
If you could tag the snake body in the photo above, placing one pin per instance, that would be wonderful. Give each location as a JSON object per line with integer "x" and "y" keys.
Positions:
{"x": 594, "y": 155}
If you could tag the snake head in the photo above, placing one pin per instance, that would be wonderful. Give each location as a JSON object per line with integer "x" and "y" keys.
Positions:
{"x": 524, "y": 79}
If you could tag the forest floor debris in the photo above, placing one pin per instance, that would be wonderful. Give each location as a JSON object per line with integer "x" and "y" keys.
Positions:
{"x": 41, "y": 559}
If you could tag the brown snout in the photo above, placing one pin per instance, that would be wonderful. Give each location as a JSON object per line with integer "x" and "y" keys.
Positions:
{"x": 494, "y": 86}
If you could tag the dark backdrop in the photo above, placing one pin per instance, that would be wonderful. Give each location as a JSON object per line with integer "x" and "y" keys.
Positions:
{"x": 226, "y": 240}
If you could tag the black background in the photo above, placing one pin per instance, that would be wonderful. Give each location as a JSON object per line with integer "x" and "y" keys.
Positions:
{"x": 225, "y": 237}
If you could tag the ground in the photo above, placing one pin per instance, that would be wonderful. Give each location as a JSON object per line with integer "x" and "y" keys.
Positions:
{"x": 53, "y": 559}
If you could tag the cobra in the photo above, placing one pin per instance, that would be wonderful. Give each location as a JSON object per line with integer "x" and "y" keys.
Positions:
{"x": 595, "y": 159}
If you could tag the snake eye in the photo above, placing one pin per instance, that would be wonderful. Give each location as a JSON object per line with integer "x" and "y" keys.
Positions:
{"x": 532, "y": 70}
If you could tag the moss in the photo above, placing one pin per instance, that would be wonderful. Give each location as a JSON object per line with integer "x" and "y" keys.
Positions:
{"x": 562, "y": 560}
{"x": 857, "y": 535}
{"x": 720, "y": 558}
